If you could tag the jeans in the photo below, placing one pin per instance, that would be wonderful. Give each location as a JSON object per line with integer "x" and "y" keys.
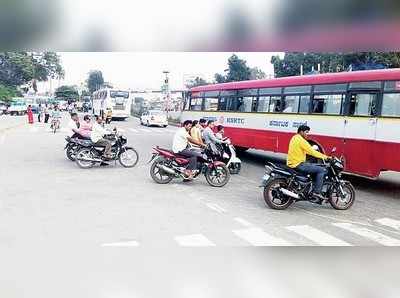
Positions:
{"x": 316, "y": 170}
{"x": 193, "y": 155}
{"x": 105, "y": 143}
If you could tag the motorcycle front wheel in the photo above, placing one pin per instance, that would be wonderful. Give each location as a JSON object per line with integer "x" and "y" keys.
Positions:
{"x": 218, "y": 176}
{"x": 128, "y": 158}
{"x": 273, "y": 197}
{"x": 157, "y": 174}
{"x": 84, "y": 153}
{"x": 71, "y": 153}
{"x": 339, "y": 201}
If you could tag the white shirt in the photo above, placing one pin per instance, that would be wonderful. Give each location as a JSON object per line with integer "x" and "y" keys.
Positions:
{"x": 98, "y": 132}
{"x": 180, "y": 141}
{"x": 71, "y": 126}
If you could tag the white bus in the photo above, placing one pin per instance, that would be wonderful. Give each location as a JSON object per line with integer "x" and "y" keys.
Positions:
{"x": 118, "y": 101}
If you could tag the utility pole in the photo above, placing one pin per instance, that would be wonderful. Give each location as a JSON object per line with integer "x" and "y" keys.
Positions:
{"x": 166, "y": 90}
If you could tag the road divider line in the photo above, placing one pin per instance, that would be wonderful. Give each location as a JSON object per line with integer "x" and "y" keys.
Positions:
{"x": 369, "y": 234}
{"x": 243, "y": 222}
{"x": 121, "y": 244}
{"x": 193, "y": 240}
{"x": 317, "y": 236}
{"x": 392, "y": 223}
{"x": 216, "y": 207}
{"x": 257, "y": 237}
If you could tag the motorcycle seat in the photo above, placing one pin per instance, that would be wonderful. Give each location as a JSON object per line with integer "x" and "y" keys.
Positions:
{"x": 172, "y": 153}
{"x": 85, "y": 143}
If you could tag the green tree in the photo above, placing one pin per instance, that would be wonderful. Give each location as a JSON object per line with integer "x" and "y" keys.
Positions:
{"x": 196, "y": 82}
{"x": 237, "y": 71}
{"x": 219, "y": 78}
{"x": 7, "y": 93}
{"x": 16, "y": 68}
{"x": 257, "y": 74}
{"x": 95, "y": 80}
{"x": 67, "y": 93}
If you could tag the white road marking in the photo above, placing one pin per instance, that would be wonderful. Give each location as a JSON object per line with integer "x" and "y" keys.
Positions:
{"x": 243, "y": 222}
{"x": 33, "y": 129}
{"x": 317, "y": 236}
{"x": 193, "y": 240}
{"x": 133, "y": 130}
{"x": 257, "y": 237}
{"x": 216, "y": 207}
{"x": 367, "y": 233}
{"x": 121, "y": 244}
{"x": 393, "y": 223}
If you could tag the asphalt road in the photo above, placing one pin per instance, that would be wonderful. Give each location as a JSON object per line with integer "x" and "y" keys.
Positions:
{"x": 48, "y": 201}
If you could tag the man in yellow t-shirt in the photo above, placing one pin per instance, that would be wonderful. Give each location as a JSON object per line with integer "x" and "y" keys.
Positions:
{"x": 299, "y": 148}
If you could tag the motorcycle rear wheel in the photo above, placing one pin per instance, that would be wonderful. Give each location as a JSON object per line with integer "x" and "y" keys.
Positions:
{"x": 336, "y": 200}
{"x": 128, "y": 158}
{"x": 84, "y": 153}
{"x": 218, "y": 176}
{"x": 271, "y": 194}
{"x": 157, "y": 174}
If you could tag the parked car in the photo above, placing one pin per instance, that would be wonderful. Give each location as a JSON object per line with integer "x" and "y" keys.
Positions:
{"x": 18, "y": 107}
{"x": 154, "y": 117}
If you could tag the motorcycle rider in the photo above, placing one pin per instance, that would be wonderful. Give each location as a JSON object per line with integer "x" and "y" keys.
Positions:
{"x": 195, "y": 132}
{"x": 296, "y": 159}
{"x": 97, "y": 137}
{"x": 180, "y": 145}
{"x": 56, "y": 116}
{"x": 208, "y": 134}
{"x": 220, "y": 132}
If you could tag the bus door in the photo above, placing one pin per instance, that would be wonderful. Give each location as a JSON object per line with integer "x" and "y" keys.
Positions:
{"x": 360, "y": 125}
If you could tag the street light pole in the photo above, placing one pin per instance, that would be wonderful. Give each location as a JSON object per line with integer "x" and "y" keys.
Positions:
{"x": 167, "y": 95}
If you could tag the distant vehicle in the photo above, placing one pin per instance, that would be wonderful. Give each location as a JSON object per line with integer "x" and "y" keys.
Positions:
{"x": 154, "y": 117}
{"x": 3, "y": 108}
{"x": 18, "y": 107}
{"x": 62, "y": 105}
{"x": 116, "y": 100}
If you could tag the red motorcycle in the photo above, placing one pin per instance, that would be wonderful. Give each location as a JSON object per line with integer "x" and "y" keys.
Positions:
{"x": 167, "y": 165}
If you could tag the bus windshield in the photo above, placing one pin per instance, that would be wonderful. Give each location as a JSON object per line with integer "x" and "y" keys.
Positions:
{"x": 114, "y": 94}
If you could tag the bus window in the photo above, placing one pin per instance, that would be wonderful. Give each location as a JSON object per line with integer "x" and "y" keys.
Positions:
{"x": 196, "y": 104}
{"x": 327, "y": 104}
{"x": 232, "y": 103}
{"x": 275, "y": 104}
{"x": 391, "y": 105}
{"x": 247, "y": 104}
{"x": 291, "y": 104}
{"x": 304, "y": 106}
{"x": 211, "y": 104}
{"x": 362, "y": 104}
{"x": 263, "y": 104}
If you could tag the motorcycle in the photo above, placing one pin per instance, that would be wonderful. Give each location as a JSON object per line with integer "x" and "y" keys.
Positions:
{"x": 55, "y": 124}
{"x": 89, "y": 154}
{"x": 228, "y": 156}
{"x": 73, "y": 145}
{"x": 167, "y": 165}
{"x": 283, "y": 186}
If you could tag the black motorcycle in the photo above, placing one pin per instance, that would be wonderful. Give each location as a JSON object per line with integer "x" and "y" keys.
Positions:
{"x": 72, "y": 147}
{"x": 90, "y": 154}
{"x": 284, "y": 185}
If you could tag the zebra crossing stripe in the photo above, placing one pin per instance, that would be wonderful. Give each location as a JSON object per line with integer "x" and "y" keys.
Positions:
{"x": 317, "y": 236}
{"x": 257, "y": 237}
{"x": 193, "y": 240}
{"x": 369, "y": 234}
{"x": 393, "y": 223}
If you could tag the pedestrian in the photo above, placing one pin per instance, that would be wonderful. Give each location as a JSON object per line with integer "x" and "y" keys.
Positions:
{"x": 30, "y": 114}
{"x": 40, "y": 112}
{"x": 46, "y": 114}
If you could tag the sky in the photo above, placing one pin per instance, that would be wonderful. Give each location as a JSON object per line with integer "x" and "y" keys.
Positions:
{"x": 144, "y": 70}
